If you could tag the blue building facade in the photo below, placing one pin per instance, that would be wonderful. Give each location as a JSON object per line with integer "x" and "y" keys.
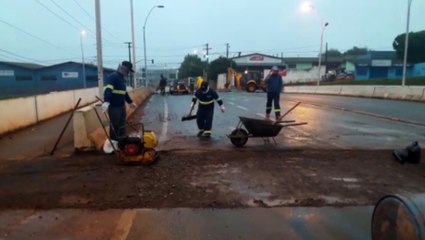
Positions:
{"x": 381, "y": 64}
{"x": 18, "y": 79}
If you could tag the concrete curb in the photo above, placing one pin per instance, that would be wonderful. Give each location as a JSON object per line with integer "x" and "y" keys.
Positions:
{"x": 411, "y": 93}
{"x": 88, "y": 133}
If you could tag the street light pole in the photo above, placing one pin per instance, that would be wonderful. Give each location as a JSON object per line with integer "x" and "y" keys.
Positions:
{"x": 306, "y": 7}
{"x": 406, "y": 43}
{"x": 133, "y": 46}
{"x": 320, "y": 53}
{"x": 99, "y": 48}
{"x": 144, "y": 41}
{"x": 83, "y": 33}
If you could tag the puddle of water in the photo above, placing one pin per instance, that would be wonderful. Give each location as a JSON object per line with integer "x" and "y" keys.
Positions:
{"x": 350, "y": 180}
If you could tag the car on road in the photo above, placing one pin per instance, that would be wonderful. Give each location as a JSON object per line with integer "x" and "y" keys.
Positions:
{"x": 345, "y": 76}
{"x": 179, "y": 88}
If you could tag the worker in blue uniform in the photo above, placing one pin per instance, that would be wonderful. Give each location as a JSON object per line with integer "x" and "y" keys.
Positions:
{"x": 204, "y": 117}
{"x": 274, "y": 88}
{"x": 115, "y": 97}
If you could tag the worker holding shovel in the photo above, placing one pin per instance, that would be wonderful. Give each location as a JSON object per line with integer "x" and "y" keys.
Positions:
{"x": 205, "y": 113}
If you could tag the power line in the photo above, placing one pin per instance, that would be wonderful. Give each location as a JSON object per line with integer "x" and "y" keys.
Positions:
{"x": 6, "y": 57}
{"x": 58, "y": 16}
{"x": 69, "y": 15}
{"x": 66, "y": 21}
{"x": 29, "y": 34}
{"x": 32, "y": 35}
{"x": 88, "y": 14}
{"x": 16, "y": 55}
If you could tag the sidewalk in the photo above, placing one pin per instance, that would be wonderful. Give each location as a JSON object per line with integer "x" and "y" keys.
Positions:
{"x": 183, "y": 223}
{"x": 37, "y": 140}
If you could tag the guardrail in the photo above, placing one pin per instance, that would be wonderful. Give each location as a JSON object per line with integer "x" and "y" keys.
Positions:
{"x": 415, "y": 93}
{"x": 22, "y": 112}
{"x": 88, "y": 133}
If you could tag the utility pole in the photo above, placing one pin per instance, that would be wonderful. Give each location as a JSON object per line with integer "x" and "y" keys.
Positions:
{"x": 134, "y": 45}
{"x": 99, "y": 48}
{"x": 129, "y": 50}
{"x": 207, "y": 52}
{"x": 326, "y": 59}
{"x": 129, "y": 59}
{"x": 406, "y": 44}
{"x": 227, "y": 50}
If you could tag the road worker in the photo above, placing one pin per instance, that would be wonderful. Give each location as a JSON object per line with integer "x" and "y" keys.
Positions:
{"x": 204, "y": 117}
{"x": 115, "y": 97}
{"x": 274, "y": 88}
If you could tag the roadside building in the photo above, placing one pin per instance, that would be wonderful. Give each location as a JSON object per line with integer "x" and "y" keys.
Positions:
{"x": 19, "y": 79}
{"x": 381, "y": 64}
{"x": 257, "y": 62}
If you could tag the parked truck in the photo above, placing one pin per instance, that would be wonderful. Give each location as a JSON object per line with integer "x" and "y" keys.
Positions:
{"x": 250, "y": 80}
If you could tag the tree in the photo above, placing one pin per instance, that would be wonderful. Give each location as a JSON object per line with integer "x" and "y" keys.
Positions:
{"x": 218, "y": 66}
{"x": 416, "y": 47}
{"x": 333, "y": 53}
{"x": 355, "y": 52}
{"x": 191, "y": 66}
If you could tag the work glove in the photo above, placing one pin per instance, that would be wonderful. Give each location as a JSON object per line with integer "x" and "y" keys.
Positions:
{"x": 105, "y": 106}
{"x": 133, "y": 105}
{"x": 222, "y": 108}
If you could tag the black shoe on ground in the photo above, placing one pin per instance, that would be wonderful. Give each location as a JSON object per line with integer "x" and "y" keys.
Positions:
{"x": 200, "y": 133}
{"x": 206, "y": 135}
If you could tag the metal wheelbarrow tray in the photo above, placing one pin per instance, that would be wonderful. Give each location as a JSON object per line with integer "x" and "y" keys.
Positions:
{"x": 258, "y": 128}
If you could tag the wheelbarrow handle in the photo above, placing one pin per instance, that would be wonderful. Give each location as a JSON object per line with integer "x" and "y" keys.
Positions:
{"x": 287, "y": 112}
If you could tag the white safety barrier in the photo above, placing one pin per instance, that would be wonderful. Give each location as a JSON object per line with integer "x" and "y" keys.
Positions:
{"x": 88, "y": 132}
{"x": 18, "y": 113}
{"x": 415, "y": 93}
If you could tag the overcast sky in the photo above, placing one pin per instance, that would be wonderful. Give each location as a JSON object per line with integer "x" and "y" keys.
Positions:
{"x": 30, "y": 32}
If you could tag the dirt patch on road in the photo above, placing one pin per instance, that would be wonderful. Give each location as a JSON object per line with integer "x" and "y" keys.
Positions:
{"x": 224, "y": 179}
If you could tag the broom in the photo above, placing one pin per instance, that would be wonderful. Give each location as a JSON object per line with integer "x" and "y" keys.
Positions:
{"x": 189, "y": 116}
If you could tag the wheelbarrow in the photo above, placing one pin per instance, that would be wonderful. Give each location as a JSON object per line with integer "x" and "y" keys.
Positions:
{"x": 259, "y": 128}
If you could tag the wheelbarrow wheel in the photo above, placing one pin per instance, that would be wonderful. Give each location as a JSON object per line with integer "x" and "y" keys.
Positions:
{"x": 239, "y": 137}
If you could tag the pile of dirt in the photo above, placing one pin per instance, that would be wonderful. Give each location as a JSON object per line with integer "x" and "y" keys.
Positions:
{"x": 209, "y": 179}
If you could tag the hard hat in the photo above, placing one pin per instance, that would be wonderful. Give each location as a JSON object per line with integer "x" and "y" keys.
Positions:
{"x": 275, "y": 68}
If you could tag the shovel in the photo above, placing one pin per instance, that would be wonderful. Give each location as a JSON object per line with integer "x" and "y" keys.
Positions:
{"x": 189, "y": 116}
{"x": 290, "y": 110}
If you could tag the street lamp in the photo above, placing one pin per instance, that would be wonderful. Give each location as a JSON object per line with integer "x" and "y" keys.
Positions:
{"x": 320, "y": 53}
{"x": 82, "y": 34}
{"x": 144, "y": 39}
{"x": 406, "y": 43}
{"x": 306, "y": 7}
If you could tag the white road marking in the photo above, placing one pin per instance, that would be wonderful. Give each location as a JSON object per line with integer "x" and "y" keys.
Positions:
{"x": 261, "y": 115}
{"x": 243, "y": 108}
{"x": 165, "y": 124}
{"x": 231, "y": 103}
{"x": 124, "y": 225}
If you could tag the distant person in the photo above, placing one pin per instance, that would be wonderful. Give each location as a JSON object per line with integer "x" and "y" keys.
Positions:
{"x": 162, "y": 84}
{"x": 191, "y": 85}
{"x": 205, "y": 114}
{"x": 115, "y": 97}
{"x": 274, "y": 88}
